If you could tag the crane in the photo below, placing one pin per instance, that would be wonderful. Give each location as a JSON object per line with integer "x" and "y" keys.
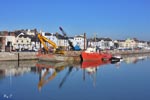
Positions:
{"x": 76, "y": 48}
{"x": 64, "y": 33}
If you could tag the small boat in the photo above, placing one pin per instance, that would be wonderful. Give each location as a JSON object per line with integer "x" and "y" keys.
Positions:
{"x": 91, "y": 55}
{"x": 116, "y": 58}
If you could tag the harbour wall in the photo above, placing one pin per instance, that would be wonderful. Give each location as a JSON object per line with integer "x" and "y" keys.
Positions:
{"x": 4, "y": 56}
{"x": 14, "y": 56}
{"x": 128, "y": 52}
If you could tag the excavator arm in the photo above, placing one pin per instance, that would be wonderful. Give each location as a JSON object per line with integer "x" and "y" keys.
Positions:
{"x": 44, "y": 39}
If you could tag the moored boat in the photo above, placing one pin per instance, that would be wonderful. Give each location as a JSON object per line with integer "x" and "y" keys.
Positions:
{"x": 91, "y": 55}
{"x": 116, "y": 58}
{"x": 52, "y": 57}
{"x": 68, "y": 56}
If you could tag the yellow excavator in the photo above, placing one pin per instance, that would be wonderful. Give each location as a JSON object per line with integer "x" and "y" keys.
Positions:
{"x": 44, "y": 39}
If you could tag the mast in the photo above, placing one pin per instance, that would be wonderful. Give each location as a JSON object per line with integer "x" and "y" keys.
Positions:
{"x": 84, "y": 41}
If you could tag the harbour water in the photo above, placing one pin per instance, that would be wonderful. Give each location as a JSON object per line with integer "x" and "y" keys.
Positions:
{"x": 34, "y": 80}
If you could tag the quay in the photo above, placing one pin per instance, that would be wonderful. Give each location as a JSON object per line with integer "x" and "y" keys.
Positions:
{"x": 128, "y": 52}
{"x": 14, "y": 56}
{"x": 71, "y": 55}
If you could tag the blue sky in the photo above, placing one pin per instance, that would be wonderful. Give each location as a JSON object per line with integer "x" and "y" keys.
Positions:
{"x": 117, "y": 19}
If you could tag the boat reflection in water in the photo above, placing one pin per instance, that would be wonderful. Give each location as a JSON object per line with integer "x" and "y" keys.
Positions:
{"x": 91, "y": 67}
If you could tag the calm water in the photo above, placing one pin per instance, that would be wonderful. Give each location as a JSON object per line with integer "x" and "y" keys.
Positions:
{"x": 33, "y": 80}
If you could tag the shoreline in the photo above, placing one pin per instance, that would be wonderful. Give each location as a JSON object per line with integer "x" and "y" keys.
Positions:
{"x": 17, "y": 56}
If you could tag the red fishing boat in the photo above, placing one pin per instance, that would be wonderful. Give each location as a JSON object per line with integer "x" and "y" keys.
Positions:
{"x": 91, "y": 55}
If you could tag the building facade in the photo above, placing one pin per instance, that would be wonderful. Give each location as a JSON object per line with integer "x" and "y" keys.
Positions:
{"x": 101, "y": 43}
{"x": 81, "y": 41}
{"x": 7, "y": 40}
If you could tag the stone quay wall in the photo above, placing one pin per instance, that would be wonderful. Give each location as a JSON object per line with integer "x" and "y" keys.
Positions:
{"x": 8, "y": 56}
{"x": 4, "y": 56}
{"x": 128, "y": 52}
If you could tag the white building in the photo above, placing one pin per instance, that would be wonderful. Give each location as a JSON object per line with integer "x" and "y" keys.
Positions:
{"x": 51, "y": 37}
{"x": 102, "y": 43}
{"x": 80, "y": 41}
{"x": 22, "y": 42}
{"x": 142, "y": 44}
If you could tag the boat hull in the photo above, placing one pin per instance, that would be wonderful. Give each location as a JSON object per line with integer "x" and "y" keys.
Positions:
{"x": 94, "y": 56}
{"x": 57, "y": 58}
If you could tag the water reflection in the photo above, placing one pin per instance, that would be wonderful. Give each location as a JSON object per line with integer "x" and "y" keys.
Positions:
{"x": 91, "y": 67}
{"x": 131, "y": 59}
{"x": 7, "y": 67}
{"x": 52, "y": 68}
{"x": 48, "y": 71}
{"x": 44, "y": 69}
{"x": 134, "y": 59}
{"x": 45, "y": 72}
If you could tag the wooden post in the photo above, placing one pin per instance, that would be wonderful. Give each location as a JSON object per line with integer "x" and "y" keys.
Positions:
{"x": 18, "y": 59}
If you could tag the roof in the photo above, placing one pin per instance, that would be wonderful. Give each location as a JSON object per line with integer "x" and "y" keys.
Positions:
{"x": 99, "y": 39}
{"x": 48, "y": 34}
{"x": 82, "y": 36}
{"x": 121, "y": 40}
